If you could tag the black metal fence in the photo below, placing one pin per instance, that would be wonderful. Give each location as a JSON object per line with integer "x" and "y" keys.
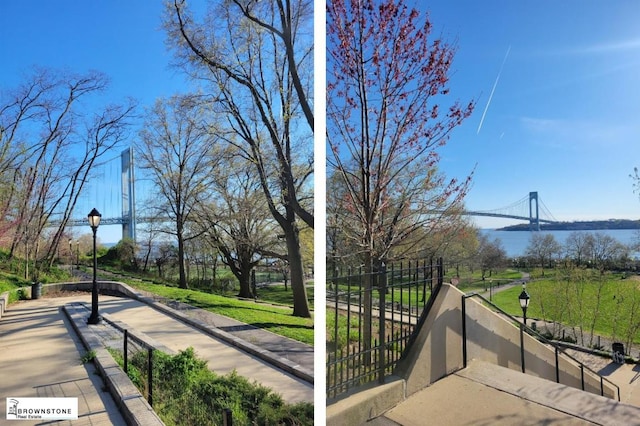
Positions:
{"x": 372, "y": 319}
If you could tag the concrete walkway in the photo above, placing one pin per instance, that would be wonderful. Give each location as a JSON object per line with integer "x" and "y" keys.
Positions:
{"x": 40, "y": 354}
{"x": 40, "y": 357}
{"x": 626, "y": 376}
{"x": 221, "y": 356}
{"x": 486, "y": 394}
{"x": 291, "y": 350}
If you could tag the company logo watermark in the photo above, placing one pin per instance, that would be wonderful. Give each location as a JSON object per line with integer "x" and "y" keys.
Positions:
{"x": 42, "y": 408}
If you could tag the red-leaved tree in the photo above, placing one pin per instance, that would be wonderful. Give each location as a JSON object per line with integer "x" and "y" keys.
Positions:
{"x": 387, "y": 115}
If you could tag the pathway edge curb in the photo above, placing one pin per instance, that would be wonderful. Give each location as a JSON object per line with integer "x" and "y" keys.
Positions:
{"x": 134, "y": 408}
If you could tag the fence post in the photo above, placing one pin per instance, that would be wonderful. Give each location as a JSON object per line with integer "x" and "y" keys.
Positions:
{"x": 254, "y": 288}
{"x": 150, "y": 376}
{"x": 382, "y": 289}
{"x": 522, "y": 345}
{"x": 464, "y": 331}
{"x": 126, "y": 356}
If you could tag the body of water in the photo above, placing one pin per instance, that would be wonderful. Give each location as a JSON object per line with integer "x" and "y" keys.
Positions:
{"x": 515, "y": 243}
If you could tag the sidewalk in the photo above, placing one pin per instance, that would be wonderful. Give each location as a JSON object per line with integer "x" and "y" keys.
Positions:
{"x": 40, "y": 357}
{"x": 222, "y": 357}
{"x": 40, "y": 352}
{"x": 296, "y": 352}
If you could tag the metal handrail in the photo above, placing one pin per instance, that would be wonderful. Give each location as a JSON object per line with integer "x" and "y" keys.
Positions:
{"x": 535, "y": 334}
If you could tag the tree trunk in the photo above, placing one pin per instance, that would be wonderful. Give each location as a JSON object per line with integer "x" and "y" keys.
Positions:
{"x": 300, "y": 301}
{"x": 244, "y": 278}
{"x": 181, "y": 261}
{"x": 367, "y": 307}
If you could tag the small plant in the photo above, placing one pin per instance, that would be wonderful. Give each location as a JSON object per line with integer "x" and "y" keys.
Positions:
{"x": 186, "y": 392}
{"x": 88, "y": 357}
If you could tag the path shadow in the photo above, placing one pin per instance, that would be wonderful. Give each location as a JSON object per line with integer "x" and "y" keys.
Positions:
{"x": 611, "y": 368}
{"x": 635, "y": 369}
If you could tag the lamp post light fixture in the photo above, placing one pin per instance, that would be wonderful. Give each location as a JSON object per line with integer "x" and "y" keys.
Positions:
{"x": 94, "y": 220}
{"x": 524, "y": 302}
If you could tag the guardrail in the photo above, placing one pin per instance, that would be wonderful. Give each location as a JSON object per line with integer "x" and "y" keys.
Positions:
{"x": 382, "y": 312}
{"x": 536, "y": 335}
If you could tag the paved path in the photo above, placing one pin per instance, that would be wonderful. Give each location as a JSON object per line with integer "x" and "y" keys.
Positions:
{"x": 498, "y": 288}
{"x": 626, "y": 376}
{"x": 221, "y": 356}
{"x": 40, "y": 357}
{"x": 488, "y": 395}
{"x": 292, "y": 350}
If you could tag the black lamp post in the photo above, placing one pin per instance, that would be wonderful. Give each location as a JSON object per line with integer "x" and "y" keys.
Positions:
{"x": 77, "y": 254}
{"x": 524, "y": 302}
{"x": 94, "y": 221}
{"x": 70, "y": 254}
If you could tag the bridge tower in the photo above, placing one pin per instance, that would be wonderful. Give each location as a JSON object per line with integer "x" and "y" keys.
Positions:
{"x": 128, "y": 195}
{"x": 534, "y": 221}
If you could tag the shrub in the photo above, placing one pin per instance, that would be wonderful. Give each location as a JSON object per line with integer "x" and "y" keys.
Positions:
{"x": 186, "y": 392}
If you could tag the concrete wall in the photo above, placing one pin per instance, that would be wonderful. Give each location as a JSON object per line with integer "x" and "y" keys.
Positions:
{"x": 438, "y": 352}
{"x": 4, "y": 302}
{"x": 493, "y": 338}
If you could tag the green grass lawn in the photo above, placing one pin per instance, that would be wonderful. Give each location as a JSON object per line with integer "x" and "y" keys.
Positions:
{"x": 474, "y": 282}
{"x": 11, "y": 283}
{"x": 582, "y": 298}
{"x": 278, "y": 295}
{"x": 277, "y": 319}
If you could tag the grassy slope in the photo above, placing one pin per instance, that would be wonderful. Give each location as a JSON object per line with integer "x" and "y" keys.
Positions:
{"x": 276, "y": 319}
{"x": 573, "y": 301}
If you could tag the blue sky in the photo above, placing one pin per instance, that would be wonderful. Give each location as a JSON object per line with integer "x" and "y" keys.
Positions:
{"x": 563, "y": 118}
{"x": 122, "y": 39}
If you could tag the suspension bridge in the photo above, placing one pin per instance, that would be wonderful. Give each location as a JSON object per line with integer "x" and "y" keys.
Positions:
{"x": 112, "y": 190}
{"x": 537, "y": 212}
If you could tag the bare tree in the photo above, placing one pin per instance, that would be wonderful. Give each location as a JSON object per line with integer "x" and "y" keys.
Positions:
{"x": 577, "y": 246}
{"x": 41, "y": 122}
{"x": 256, "y": 57}
{"x": 605, "y": 249}
{"x": 491, "y": 255}
{"x": 237, "y": 220}
{"x": 175, "y": 148}
{"x": 543, "y": 248}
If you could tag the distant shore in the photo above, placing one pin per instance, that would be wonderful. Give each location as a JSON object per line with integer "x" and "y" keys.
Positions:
{"x": 590, "y": 225}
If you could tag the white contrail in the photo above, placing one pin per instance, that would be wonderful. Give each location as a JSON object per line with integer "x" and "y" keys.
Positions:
{"x": 493, "y": 90}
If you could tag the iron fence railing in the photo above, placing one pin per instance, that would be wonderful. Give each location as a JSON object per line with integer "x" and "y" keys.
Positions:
{"x": 534, "y": 333}
{"x": 372, "y": 319}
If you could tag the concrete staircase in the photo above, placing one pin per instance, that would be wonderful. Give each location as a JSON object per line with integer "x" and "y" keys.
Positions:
{"x": 431, "y": 384}
{"x": 486, "y": 394}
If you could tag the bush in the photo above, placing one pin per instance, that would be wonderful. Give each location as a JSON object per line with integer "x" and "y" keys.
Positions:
{"x": 186, "y": 392}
